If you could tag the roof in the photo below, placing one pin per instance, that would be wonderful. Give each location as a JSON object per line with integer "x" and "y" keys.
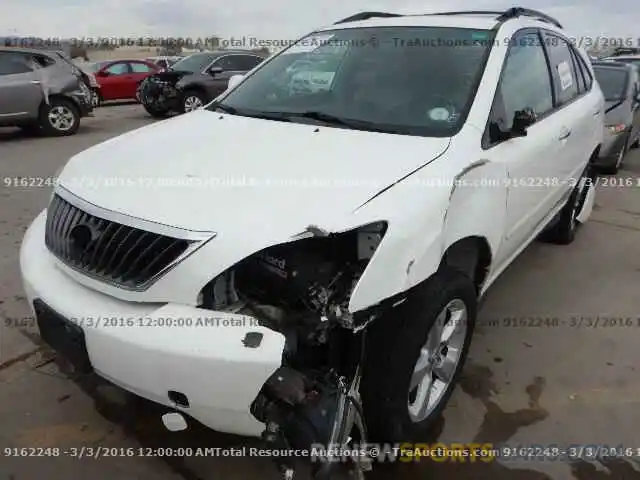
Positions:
{"x": 624, "y": 57}
{"x": 31, "y": 50}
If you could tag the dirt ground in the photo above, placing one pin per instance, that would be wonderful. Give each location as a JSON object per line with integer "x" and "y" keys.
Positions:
{"x": 535, "y": 384}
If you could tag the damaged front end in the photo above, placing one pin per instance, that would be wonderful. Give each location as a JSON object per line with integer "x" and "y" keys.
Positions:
{"x": 158, "y": 92}
{"x": 302, "y": 290}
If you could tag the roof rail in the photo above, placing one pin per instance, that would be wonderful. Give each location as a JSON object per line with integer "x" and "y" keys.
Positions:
{"x": 503, "y": 16}
{"x": 516, "y": 12}
{"x": 358, "y": 17}
{"x": 625, "y": 51}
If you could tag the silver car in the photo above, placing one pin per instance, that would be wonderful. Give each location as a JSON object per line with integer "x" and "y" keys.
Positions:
{"x": 620, "y": 85}
{"x": 40, "y": 91}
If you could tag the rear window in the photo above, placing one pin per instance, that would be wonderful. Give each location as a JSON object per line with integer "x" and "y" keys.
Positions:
{"x": 613, "y": 82}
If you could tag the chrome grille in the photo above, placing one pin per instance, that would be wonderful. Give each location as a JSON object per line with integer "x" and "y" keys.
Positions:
{"x": 114, "y": 253}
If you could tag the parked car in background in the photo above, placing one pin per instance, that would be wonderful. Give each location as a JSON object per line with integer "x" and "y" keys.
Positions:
{"x": 119, "y": 79}
{"x": 620, "y": 85}
{"x": 40, "y": 91}
{"x": 164, "y": 62}
{"x": 194, "y": 81}
{"x": 631, "y": 59}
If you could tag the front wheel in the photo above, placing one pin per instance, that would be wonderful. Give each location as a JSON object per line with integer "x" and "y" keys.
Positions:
{"x": 414, "y": 358}
{"x": 192, "y": 100}
{"x": 156, "y": 112}
{"x": 59, "y": 118}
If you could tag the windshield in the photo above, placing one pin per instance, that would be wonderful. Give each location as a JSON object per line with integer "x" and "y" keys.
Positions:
{"x": 404, "y": 80}
{"x": 613, "y": 82}
{"x": 194, "y": 63}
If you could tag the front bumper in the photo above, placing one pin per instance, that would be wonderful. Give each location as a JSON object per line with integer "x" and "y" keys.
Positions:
{"x": 208, "y": 363}
{"x": 83, "y": 102}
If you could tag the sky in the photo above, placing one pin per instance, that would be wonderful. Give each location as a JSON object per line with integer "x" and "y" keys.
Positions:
{"x": 275, "y": 19}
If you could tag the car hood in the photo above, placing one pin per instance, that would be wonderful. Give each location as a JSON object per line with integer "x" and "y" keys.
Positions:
{"x": 208, "y": 171}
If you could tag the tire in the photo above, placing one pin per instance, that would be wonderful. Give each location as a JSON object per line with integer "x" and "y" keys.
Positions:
{"x": 395, "y": 344}
{"x": 614, "y": 167}
{"x": 96, "y": 98}
{"x": 563, "y": 231}
{"x": 156, "y": 112}
{"x": 31, "y": 129}
{"x": 59, "y": 118}
{"x": 192, "y": 100}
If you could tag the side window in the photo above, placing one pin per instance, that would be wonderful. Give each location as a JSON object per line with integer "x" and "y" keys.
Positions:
{"x": 525, "y": 81}
{"x": 140, "y": 68}
{"x": 579, "y": 69}
{"x": 229, "y": 63}
{"x": 43, "y": 60}
{"x": 247, "y": 62}
{"x": 118, "y": 69}
{"x": 564, "y": 75}
{"x": 588, "y": 76}
{"x": 11, "y": 64}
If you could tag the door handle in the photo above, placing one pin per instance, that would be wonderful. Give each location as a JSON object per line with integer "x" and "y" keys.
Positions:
{"x": 596, "y": 113}
{"x": 565, "y": 134}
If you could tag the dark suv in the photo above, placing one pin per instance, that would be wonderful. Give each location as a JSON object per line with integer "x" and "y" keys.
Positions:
{"x": 194, "y": 81}
{"x": 40, "y": 91}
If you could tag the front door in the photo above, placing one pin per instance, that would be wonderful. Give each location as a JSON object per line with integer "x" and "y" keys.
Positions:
{"x": 114, "y": 81}
{"x": 531, "y": 161}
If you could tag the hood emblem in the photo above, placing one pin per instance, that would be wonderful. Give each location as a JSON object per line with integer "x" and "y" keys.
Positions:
{"x": 81, "y": 236}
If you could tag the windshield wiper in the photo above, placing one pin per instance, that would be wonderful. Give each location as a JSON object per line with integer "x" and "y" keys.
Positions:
{"x": 243, "y": 113}
{"x": 325, "y": 118}
{"x": 225, "y": 108}
{"x": 345, "y": 122}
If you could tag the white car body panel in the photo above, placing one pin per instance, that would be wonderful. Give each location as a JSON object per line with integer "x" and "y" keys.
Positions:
{"x": 204, "y": 362}
{"x": 242, "y": 192}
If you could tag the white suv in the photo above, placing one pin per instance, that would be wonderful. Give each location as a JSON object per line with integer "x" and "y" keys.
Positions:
{"x": 295, "y": 250}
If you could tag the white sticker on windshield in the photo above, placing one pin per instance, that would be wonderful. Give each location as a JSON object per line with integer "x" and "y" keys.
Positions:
{"x": 439, "y": 114}
{"x": 309, "y": 44}
{"x": 564, "y": 72}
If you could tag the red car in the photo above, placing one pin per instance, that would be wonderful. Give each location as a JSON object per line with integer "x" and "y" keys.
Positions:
{"x": 119, "y": 79}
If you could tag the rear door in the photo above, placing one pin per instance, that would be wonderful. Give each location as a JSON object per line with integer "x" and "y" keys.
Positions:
{"x": 574, "y": 111}
{"x": 20, "y": 87}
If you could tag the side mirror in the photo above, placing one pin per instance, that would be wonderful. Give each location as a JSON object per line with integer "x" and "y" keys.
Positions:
{"x": 234, "y": 80}
{"x": 522, "y": 120}
{"x": 213, "y": 71}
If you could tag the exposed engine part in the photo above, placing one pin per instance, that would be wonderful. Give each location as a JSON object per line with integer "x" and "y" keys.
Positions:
{"x": 302, "y": 289}
{"x": 159, "y": 90}
{"x": 302, "y": 412}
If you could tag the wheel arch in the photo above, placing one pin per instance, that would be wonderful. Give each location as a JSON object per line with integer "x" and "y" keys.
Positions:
{"x": 471, "y": 256}
{"x": 61, "y": 96}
